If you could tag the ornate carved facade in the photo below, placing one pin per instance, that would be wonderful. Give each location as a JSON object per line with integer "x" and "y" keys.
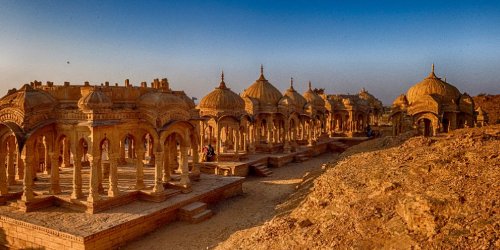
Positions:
{"x": 432, "y": 106}
{"x": 44, "y": 127}
{"x": 94, "y": 130}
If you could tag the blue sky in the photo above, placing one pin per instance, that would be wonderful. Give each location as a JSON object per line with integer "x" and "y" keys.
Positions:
{"x": 384, "y": 46}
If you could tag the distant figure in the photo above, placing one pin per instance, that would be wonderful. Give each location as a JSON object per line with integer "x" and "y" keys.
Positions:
{"x": 210, "y": 153}
{"x": 369, "y": 131}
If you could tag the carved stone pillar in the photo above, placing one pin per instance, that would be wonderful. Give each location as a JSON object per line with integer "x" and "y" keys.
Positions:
{"x": 245, "y": 142}
{"x": 166, "y": 162}
{"x": 77, "y": 175}
{"x": 236, "y": 142}
{"x": 94, "y": 162}
{"x": 46, "y": 161}
{"x": 113, "y": 175}
{"x": 269, "y": 132}
{"x": 185, "y": 182}
{"x": 196, "y": 169}
{"x": 100, "y": 173}
{"x": 65, "y": 154}
{"x": 310, "y": 136}
{"x": 286, "y": 147}
{"x": 11, "y": 171}
{"x": 158, "y": 184}
{"x": 27, "y": 178}
{"x": 218, "y": 141}
{"x": 139, "y": 164}
{"x": 19, "y": 167}
{"x": 3, "y": 174}
{"x": 55, "y": 188}
{"x": 202, "y": 138}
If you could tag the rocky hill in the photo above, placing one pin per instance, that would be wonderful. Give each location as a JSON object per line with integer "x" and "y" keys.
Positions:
{"x": 490, "y": 104}
{"x": 395, "y": 193}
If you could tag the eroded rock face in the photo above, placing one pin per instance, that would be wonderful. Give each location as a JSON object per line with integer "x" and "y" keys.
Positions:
{"x": 397, "y": 193}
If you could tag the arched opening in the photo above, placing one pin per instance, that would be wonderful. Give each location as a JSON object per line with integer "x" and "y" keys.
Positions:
{"x": 425, "y": 127}
{"x": 148, "y": 145}
{"x": 127, "y": 149}
{"x": 446, "y": 125}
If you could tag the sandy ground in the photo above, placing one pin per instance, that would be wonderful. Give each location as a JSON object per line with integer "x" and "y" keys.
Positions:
{"x": 395, "y": 193}
{"x": 256, "y": 206}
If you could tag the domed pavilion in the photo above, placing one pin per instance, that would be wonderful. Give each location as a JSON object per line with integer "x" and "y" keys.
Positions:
{"x": 225, "y": 122}
{"x": 432, "y": 106}
{"x": 261, "y": 103}
{"x": 47, "y": 128}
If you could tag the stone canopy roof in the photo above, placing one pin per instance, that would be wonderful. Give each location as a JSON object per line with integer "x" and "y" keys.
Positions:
{"x": 263, "y": 91}
{"x": 432, "y": 85}
{"x": 221, "y": 100}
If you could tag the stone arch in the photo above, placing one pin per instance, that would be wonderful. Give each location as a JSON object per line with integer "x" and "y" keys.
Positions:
{"x": 183, "y": 128}
{"x": 428, "y": 123}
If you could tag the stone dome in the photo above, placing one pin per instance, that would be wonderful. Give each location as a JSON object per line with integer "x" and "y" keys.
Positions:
{"x": 161, "y": 100}
{"x": 188, "y": 101}
{"x": 222, "y": 98}
{"x": 432, "y": 85}
{"x": 400, "y": 100}
{"x": 28, "y": 98}
{"x": 297, "y": 99}
{"x": 313, "y": 98}
{"x": 95, "y": 100}
{"x": 263, "y": 91}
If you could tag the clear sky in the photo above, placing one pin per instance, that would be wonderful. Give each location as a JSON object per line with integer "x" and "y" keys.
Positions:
{"x": 342, "y": 46}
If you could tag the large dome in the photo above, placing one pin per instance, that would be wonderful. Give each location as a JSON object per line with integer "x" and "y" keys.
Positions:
{"x": 432, "y": 85}
{"x": 263, "y": 91}
{"x": 298, "y": 100}
{"x": 222, "y": 99}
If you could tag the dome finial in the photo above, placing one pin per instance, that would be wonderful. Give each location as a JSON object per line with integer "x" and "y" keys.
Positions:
{"x": 262, "y": 78}
{"x": 291, "y": 82}
{"x": 432, "y": 68}
{"x": 222, "y": 84}
{"x": 310, "y": 88}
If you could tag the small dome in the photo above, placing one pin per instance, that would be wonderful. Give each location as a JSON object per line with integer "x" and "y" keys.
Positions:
{"x": 313, "y": 98}
{"x": 28, "y": 98}
{"x": 263, "y": 91}
{"x": 297, "y": 99}
{"x": 432, "y": 85}
{"x": 95, "y": 100}
{"x": 400, "y": 100}
{"x": 161, "y": 100}
{"x": 222, "y": 99}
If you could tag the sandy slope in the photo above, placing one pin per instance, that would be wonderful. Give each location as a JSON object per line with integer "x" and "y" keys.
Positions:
{"x": 395, "y": 193}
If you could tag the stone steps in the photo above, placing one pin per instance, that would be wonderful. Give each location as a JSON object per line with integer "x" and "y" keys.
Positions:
{"x": 195, "y": 212}
{"x": 261, "y": 169}
{"x": 301, "y": 158}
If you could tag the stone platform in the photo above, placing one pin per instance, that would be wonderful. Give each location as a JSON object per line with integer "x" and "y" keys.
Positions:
{"x": 242, "y": 168}
{"x": 65, "y": 228}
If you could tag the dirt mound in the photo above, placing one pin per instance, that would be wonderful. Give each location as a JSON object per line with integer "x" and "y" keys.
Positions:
{"x": 396, "y": 192}
{"x": 491, "y": 105}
